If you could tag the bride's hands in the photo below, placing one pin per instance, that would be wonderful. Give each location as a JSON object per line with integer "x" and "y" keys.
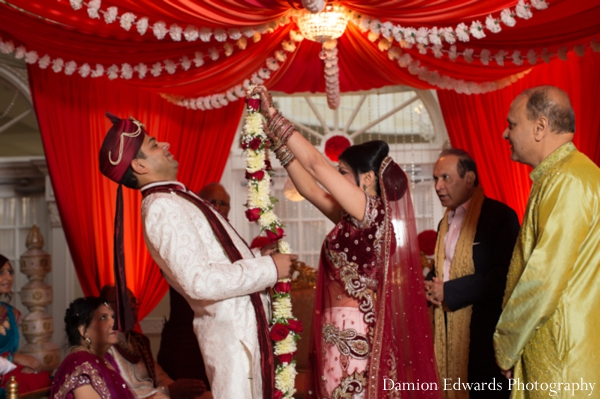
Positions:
{"x": 266, "y": 101}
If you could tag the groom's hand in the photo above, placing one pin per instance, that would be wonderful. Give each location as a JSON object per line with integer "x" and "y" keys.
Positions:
{"x": 283, "y": 262}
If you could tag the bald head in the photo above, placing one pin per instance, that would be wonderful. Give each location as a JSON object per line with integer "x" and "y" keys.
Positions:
{"x": 217, "y": 196}
{"x": 540, "y": 120}
{"x": 552, "y": 103}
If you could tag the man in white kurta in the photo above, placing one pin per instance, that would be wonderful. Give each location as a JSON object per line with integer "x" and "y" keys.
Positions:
{"x": 183, "y": 244}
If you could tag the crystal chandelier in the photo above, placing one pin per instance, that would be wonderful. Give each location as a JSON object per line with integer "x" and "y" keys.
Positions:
{"x": 328, "y": 24}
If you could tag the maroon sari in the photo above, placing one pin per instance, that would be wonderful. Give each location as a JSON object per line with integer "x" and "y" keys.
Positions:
{"x": 83, "y": 368}
{"x": 379, "y": 254}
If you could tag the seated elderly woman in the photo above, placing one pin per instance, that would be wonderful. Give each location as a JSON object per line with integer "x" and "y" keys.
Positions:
{"x": 89, "y": 371}
{"x": 25, "y": 368}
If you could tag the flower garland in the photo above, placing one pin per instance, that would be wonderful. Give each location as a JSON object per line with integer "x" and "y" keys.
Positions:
{"x": 284, "y": 326}
{"x": 191, "y": 33}
{"x": 438, "y": 36}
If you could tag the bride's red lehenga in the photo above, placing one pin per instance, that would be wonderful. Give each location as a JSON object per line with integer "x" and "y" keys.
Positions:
{"x": 381, "y": 346}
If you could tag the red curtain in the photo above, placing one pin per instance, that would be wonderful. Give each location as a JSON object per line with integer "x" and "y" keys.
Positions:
{"x": 70, "y": 112}
{"x": 475, "y": 123}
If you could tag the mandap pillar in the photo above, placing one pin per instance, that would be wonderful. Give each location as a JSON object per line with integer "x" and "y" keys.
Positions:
{"x": 38, "y": 325}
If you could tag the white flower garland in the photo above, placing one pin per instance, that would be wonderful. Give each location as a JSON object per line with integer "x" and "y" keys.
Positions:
{"x": 437, "y": 36}
{"x": 175, "y": 32}
{"x": 234, "y": 93}
{"x": 284, "y": 326}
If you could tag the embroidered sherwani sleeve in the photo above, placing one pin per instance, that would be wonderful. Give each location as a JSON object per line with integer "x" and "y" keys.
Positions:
{"x": 186, "y": 243}
{"x": 563, "y": 219}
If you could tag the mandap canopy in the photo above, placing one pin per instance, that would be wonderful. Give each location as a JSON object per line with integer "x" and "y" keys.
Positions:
{"x": 182, "y": 67}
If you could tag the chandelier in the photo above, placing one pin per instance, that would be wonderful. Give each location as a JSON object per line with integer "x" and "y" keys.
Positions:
{"x": 326, "y": 25}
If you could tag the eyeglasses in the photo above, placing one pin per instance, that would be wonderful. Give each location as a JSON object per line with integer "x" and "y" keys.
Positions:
{"x": 218, "y": 202}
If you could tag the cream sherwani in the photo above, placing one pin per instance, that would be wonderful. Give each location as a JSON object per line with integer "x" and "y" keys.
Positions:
{"x": 549, "y": 327}
{"x": 182, "y": 243}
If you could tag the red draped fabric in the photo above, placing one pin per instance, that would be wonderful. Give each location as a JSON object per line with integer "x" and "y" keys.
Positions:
{"x": 70, "y": 112}
{"x": 475, "y": 123}
{"x": 73, "y": 36}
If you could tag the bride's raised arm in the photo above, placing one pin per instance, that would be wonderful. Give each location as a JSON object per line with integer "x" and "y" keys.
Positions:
{"x": 312, "y": 167}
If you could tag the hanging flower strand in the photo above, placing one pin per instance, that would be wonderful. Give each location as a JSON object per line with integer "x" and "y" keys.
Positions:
{"x": 284, "y": 326}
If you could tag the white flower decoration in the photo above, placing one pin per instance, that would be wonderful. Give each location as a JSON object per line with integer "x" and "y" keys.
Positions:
{"x": 20, "y": 52}
{"x": 110, "y": 15}
{"x": 186, "y": 63}
{"x": 156, "y": 69}
{"x": 190, "y": 33}
{"x": 213, "y": 54}
{"x": 159, "y": 29}
{"x": 142, "y": 25}
{"x": 198, "y": 59}
{"x": 220, "y": 35}
{"x": 127, "y": 20}
{"x": 508, "y": 17}
{"x": 170, "y": 67}
{"x": 523, "y": 10}
{"x": 76, "y": 4}
{"x": 532, "y": 57}
{"x": 516, "y": 58}
{"x": 477, "y": 30}
{"x": 112, "y": 72}
{"x": 93, "y": 7}
{"x": 234, "y": 33}
{"x": 57, "y": 64}
{"x": 499, "y": 57}
{"x": 126, "y": 71}
{"x": 175, "y": 32}
{"x": 142, "y": 70}
{"x": 462, "y": 32}
{"x": 31, "y": 57}
{"x": 485, "y": 56}
{"x": 70, "y": 67}
{"x": 468, "y": 55}
{"x": 539, "y": 4}
{"x": 84, "y": 70}
{"x": 453, "y": 54}
{"x": 205, "y": 34}
{"x": 493, "y": 24}
{"x": 98, "y": 71}
{"x": 449, "y": 35}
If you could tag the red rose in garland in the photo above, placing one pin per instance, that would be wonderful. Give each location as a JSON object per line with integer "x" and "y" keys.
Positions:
{"x": 278, "y": 332}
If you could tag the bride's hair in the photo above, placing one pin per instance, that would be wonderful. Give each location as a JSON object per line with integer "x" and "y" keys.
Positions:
{"x": 365, "y": 157}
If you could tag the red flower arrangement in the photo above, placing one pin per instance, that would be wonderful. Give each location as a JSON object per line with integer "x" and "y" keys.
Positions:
{"x": 427, "y": 241}
{"x": 335, "y": 146}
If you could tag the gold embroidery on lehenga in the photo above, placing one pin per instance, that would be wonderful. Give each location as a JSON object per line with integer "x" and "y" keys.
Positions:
{"x": 349, "y": 342}
{"x": 350, "y": 386}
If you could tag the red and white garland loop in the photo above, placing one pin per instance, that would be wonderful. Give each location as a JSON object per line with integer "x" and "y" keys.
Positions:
{"x": 284, "y": 326}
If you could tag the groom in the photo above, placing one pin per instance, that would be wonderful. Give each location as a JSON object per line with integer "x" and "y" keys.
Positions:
{"x": 204, "y": 259}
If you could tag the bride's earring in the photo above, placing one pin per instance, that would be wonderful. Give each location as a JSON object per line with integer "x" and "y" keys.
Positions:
{"x": 88, "y": 342}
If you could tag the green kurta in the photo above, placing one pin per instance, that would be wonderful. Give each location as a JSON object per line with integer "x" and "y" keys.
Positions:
{"x": 549, "y": 330}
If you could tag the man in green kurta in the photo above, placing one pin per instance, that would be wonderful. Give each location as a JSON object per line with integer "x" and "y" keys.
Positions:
{"x": 547, "y": 336}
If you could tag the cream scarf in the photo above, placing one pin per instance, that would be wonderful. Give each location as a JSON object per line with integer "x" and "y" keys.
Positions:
{"x": 452, "y": 332}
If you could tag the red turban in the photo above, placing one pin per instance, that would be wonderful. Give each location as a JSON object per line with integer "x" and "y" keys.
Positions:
{"x": 120, "y": 146}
